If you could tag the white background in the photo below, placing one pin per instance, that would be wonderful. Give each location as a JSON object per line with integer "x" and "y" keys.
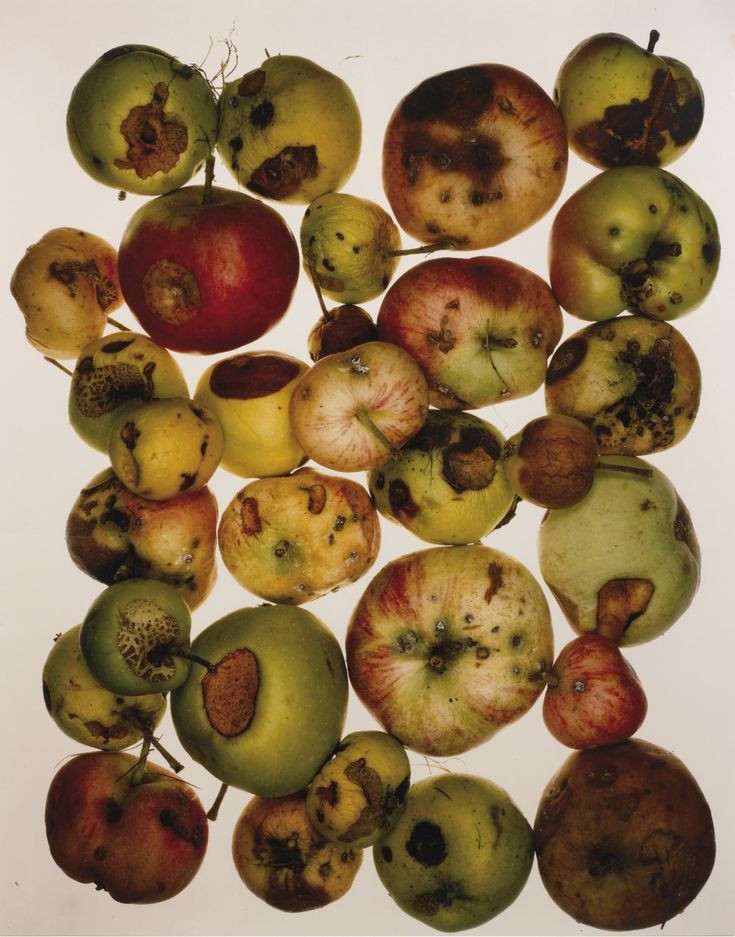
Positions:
{"x": 382, "y": 49}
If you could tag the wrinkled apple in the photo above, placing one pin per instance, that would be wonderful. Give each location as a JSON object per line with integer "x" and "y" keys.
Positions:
{"x": 269, "y": 708}
{"x": 624, "y": 561}
{"x": 448, "y": 645}
{"x": 447, "y": 484}
{"x": 459, "y": 854}
{"x": 141, "y": 121}
{"x": 293, "y": 538}
{"x": 290, "y": 129}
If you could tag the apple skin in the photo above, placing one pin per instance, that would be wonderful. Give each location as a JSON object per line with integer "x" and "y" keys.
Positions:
{"x": 339, "y": 329}
{"x": 112, "y": 534}
{"x": 141, "y": 121}
{"x": 352, "y": 410}
{"x": 635, "y": 238}
{"x": 474, "y": 155}
{"x": 448, "y": 645}
{"x": 624, "y": 105}
{"x": 594, "y": 697}
{"x": 140, "y": 842}
{"x": 207, "y": 276}
{"x": 65, "y": 285}
{"x": 481, "y": 328}
{"x": 624, "y": 836}
{"x": 459, "y": 854}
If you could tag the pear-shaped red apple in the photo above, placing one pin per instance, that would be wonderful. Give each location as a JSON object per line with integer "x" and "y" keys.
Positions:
{"x": 207, "y": 271}
{"x": 595, "y": 697}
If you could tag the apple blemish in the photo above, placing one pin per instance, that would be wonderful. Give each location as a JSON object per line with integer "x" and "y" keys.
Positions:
{"x": 229, "y": 692}
{"x": 155, "y": 140}
{"x": 171, "y": 292}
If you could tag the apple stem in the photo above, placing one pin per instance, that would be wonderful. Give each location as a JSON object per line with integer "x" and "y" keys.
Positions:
{"x": 213, "y": 811}
{"x": 138, "y": 769}
{"x": 315, "y": 280}
{"x": 116, "y": 325}
{"x": 194, "y": 658}
{"x": 653, "y": 38}
{"x": 208, "y": 179}
{"x": 150, "y": 739}
{"x": 378, "y": 433}
{"x": 58, "y": 364}
{"x": 630, "y": 469}
{"x": 446, "y": 244}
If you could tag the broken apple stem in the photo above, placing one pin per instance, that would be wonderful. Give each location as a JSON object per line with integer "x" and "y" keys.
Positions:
{"x": 630, "y": 469}
{"x": 58, "y": 364}
{"x": 213, "y": 811}
{"x": 378, "y": 433}
{"x": 653, "y": 38}
{"x": 208, "y": 180}
{"x": 150, "y": 740}
{"x": 446, "y": 244}
{"x": 138, "y": 769}
{"x": 315, "y": 280}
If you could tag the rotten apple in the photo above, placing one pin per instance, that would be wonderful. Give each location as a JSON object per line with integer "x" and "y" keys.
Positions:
{"x": 207, "y": 270}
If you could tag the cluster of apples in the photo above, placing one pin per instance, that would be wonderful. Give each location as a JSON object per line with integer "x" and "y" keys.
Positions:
{"x": 447, "y": 644}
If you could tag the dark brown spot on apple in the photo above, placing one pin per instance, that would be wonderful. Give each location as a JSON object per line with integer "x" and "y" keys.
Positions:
{"x": 374, "y": 814}
{"x": 426, "y": 844}
{"x": 281, "y": 175}
{"x": 444, "y": 339}
{"x": 470, "y": 463}
{"x": 710, "y": 252}
{"x": 100, "y": 390}
{"x": 457, "y": 97}
{"x": 262, "y": 114}
{"x": 495, "y": 575}
{"x": 251, "y": 83}
{"x": 155, "y": 141}
{"x": 129, "y": 434}
{"x": 67, "y": 272}
{"x": 567, "y": 357}
{"x": 252, "y": 374}
{"x": 250, "y": 523}
{"x": 400, "y": 500}
{"x": 317, "y": 498}
{"x": 476, "y": 158}
{"x": 229, "y": 692}
{"x": 619, "y": 603}
{"x": 602, "y": 862}
{"x": 171, "y": 291}
{"x": 113, "y": 812}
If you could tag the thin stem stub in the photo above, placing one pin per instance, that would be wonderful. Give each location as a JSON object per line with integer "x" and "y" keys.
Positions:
{"x": 653, "y": 38}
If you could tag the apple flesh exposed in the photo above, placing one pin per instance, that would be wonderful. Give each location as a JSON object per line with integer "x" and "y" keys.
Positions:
{"x": 293, "y": 538}
{"x": 113, "y": 535}
{"x": 207, "y": 274}
{"x": 460, "y": 853}
{"x": 624, "y": 836}
{"x": 635, "y": 238}
{"x": 269, "y": 709}
{"x": 353, "y": 410}
{"x": 447, "y": 484}
{"x": 249, "y": 394}
{"x": 594, "y": 696}
{"x": 474, "y": 155}
{"x": 624, "y": 561}
{"x": 448, "y": 645}
{"x": 65, "y": 285}
{"x": 481, "y": 328}
{"x": 624, "y": 105}
{"x": 141, "y": 121}
{"x": 139, "y": 836}
{"x": 290, "y": 129}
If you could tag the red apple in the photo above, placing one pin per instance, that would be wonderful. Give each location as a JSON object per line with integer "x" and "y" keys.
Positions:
{"x": 595, "y": 697}
{"x": 482, "y": 328}
{"x": 139, "y": 835}
{"x": 207, "y": 274}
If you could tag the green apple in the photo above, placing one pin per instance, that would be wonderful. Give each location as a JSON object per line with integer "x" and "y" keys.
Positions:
{"x": 447, "y": 484}
{"x": 141, "y": 121}
{"x": 635, "y": 238}
{"x": 135, "y": 637}
{"x": 269, "y": 708}
{"x": 290, "y": 130}
{"x": 459, "y": 854}
{"x": 624, "y": 105}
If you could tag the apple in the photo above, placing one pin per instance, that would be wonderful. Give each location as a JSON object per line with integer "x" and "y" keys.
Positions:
{"x": 624, "y": 836}
{"x": 163, "y": 447}
{"x": 635, "y": 238}
{"x": 447, "y": 484}
{"x": 459, "y": 854}
{"x": 624, "y": 561}
{"x": 113, "y": 535}
{"x": 449, "y": 644}
{"x": 65, "y": 285}
{"x": 353, "y": 410}
{"x": 475, "y": 155}
{"x": 293, "y": 538}
{"x": 141, "y": 121}
{"x": 290, "y": 130}
{"x": 269, "y": 708}
{"x": 633, "y": 380}
{"x": 622, "y": 104}
{"x": 360, "y": 792}
{"x": 249, "y": 394}
{"x": 88, "y": 712}
{"x": 594, "y": 696}
{"x": 138, "y": 833}
{"x": 339, "y": 329}
{"x": 482, "y": 328}
{"x": 113, "y": 371}
{"x": 207, "y": 269}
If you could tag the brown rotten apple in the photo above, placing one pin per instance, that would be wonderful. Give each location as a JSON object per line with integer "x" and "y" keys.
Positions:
{"x": 448, "y": 645}
{"x": 474, "y": 155}
{"x": 481, "y": 328}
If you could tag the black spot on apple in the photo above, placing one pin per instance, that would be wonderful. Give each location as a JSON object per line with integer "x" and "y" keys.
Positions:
{"x": 400, "y": 500}
{"x": 282, "y": 175}
{"x": 426, "y": 844}
{"x": 567, "y": 357}
{"x": 387, "y": 853}
{"x": 710, "y": 252}
{"x": 113, "y": 811}
{"x": 602, "y": 862}
{"x": 458, "y": 97}
{"x": 235, "y": 144}
{"x": 262, "y": 114}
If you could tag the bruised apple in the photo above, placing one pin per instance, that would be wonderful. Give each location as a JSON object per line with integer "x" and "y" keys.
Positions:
{"x": 448, "y": 645}
{"x": 136, "y": 831}
{"x": 474, "y": 155}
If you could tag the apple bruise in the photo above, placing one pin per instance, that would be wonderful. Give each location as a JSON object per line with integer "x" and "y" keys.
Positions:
{"x": 66, "y": 272}
{"x": 146, "y": 639}
{"x": 426, "y": 846}
{"x": 155, "y": 140}
{"x": 171, "y": 292}
{"x": 100, "y": 389}
{"x": 251, "y": 375}
{"x": 229, "y": 692}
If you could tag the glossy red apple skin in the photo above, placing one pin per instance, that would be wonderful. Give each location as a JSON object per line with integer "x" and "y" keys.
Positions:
{"x": 140, "y": 842}
{"x": 598, "y": 699}
{"x": 207, "y": 277}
